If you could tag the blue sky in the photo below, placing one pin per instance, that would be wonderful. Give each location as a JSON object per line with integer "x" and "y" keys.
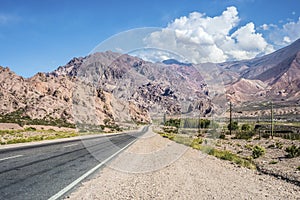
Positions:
{"x": 40, "y": 35}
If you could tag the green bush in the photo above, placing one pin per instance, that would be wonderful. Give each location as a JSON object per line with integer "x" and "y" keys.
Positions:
{"x": 170, "y": 129}
{"x": 173, "y": 122}
{"x": 244, "y": 135}
{"x": 258, "y": 151}
{"x": 227, "y": 155}
{"x": 278, "y": 145}
{"x": 196, "y": 143}
{"x": 293, "y": 151}
{"x": 222, "y": 136}
{"x": 30, "y": 129}
{"x": 249, "y": 146}
{"x": 246, "y": 127}
{"x": 233, "y": 126}
{"x": 19, "y": 117}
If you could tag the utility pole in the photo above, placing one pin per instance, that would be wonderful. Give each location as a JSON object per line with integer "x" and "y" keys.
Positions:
{"x": 230, "y": 117}
{"x": 199, "y": 120}
{"x": 272, "y": 120}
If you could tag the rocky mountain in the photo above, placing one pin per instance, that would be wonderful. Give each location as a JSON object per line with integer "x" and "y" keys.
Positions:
{"x": 155, "y": 89}
{"x": 38, "y": 97}
{"x": 106, "y": 88}
{"x": 273, "y": 77}
{"x": 109, "y": 88}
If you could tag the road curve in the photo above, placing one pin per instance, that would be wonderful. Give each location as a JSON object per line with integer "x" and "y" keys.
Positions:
{"x": 42, "y": 171}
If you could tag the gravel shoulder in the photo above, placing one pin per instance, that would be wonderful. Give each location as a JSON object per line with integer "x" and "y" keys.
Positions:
{"x": 157, "y": 168}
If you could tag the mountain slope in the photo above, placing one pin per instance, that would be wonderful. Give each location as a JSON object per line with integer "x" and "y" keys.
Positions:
{"x": 108, "y": 87}
{"x": 279, "y": 71}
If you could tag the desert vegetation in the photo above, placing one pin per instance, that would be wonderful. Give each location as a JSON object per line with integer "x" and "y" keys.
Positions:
{"x": 19, "y": 117}
{"x": 31, "y": 134}
{"x": 249, "y": 145}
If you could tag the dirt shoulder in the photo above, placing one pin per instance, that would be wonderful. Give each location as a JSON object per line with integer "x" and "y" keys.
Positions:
{"x": 185, "y": 173}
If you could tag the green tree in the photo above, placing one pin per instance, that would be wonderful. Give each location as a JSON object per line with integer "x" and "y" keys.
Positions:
{"x": 246, "y": 127}
{"x": 233, "y": 126}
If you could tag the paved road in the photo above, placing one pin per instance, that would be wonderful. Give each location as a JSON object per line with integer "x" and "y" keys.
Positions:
{"x": 39, "y": 172}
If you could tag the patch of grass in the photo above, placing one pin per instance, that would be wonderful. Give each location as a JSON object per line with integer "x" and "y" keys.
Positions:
{"x": 277, "y": 145}
{"x": 298, "y": 168}
{"x": 182, "y": 139}
{"x": 271, "y": 146}
{"x": 30, "y": 129}
{"x": 248, "y": 146}
{"x": 258, "y": 151}
{"x": 169, "y": 136}
{"x": 272, "y": 162}
{"x": 222, "y": 136}
{"x": 238, "y": 144}
{"x": 196, "y": 143}
{"x": 227, "y": 155}
{"x": 58, "y": 135}
{"x": 293, "y": 151}
{"x": 170, "y": 129}
{"x": 244, "y": 135}
{"x": 19, "y": 117}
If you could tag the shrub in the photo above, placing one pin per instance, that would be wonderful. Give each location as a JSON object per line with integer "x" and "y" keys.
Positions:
{"x": 278, "y": 145}
{"x": 293, "y": 151}
{"x": 170, "y": 129}
{"x": 244, "y": 135}
{"x": 233, "y": 126}
{"x": 30, "y": 129}
{"x": 173, "y": 122}
{"x": 227, "y": 155}
{"x": 258, "y": 151}
{"x": 246, "y": 127}
{"x": 196, "y": 143}
{"x": 204, "y": 123}
{"x": 248, "y": 146}
{"x": 222, "y": 136}
{"x": 298, "y": 168}
{"x": 266, "y": 135}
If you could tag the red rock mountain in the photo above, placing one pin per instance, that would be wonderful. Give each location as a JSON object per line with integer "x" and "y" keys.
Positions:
{"x": 111, "y": 87}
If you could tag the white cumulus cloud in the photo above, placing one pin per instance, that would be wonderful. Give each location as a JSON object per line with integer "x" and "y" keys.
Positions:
{"x": 201, "y": 38}
{"x": 283, "y": 35}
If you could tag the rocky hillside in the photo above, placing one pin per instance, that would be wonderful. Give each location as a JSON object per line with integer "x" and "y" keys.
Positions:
{"x": 105, "y": 88}
{"x": 273, "y": 77}
{"x": 39, "y": 97}
{"x": 154, "y": 88}
{"x": 108, "y": 88}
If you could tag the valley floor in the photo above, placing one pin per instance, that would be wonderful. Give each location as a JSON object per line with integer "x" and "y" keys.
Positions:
{"x": 157, "y": 168}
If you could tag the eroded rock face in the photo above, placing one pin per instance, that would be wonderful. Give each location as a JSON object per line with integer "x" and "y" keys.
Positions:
{"x": 108, "y": 86}
{"x": 111, "y": 87}
{"x": 273, "y": 77}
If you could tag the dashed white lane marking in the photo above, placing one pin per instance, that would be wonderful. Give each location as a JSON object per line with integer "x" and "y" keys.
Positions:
{"x": 70, "y": 145}
{"x": 73, "y": 184}
{"x": 11, "y": 157}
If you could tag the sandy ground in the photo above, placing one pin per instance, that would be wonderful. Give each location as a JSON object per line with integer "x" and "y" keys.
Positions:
{"x": 157, "y": 168}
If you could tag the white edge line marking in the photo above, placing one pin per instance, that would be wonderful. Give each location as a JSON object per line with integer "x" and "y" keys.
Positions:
{"x": 74, "y": 183}
{"x": 70, "y": 145}
{"x": 11, "y": 157}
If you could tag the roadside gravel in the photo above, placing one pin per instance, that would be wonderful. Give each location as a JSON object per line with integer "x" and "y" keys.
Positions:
{"x": 157, "y": 168}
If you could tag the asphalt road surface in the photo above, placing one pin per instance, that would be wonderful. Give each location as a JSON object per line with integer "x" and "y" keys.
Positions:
{"x": 44, "y": 171}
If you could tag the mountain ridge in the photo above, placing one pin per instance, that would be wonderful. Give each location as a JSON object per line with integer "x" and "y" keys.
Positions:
{"x": 141, "y": 87}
